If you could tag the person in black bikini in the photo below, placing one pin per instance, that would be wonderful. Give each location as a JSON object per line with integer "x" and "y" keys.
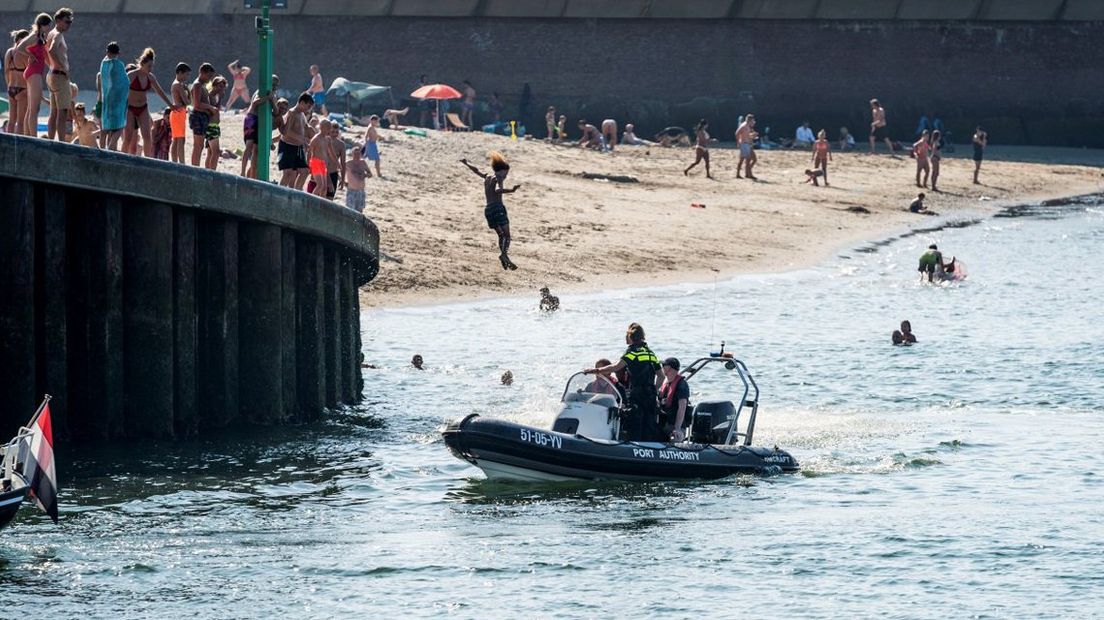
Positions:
{"x": 495, "y": 211}
{"x": 17, "y": 85}
{"x": 141, "y": 80}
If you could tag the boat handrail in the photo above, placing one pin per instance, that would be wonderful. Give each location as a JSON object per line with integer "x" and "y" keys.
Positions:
{"x": 750, "y": 387}
{"x": 615, "y": 393}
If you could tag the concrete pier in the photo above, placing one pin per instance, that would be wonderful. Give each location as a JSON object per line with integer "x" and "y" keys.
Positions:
{"x": 153, "y": 300}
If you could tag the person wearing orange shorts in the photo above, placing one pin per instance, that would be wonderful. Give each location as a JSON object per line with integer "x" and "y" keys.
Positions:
{"x": 178, "y": 118}
{"x": 317, "y": 149}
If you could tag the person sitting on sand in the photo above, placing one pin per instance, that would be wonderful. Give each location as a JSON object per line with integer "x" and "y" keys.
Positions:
{"x": 630, "y": 138}
{"x": 416, "y": 362}
{"x": 548, "y": 302}
{"x": 803, "y": 137}
{"x": 392, "y": 117}
{"x": 917, "y": 206}
{"x": 846, "y": 140}
{"x": 609, "y": 133}
{"x": 591, "y": 138}
{"x": 495, "y": 211}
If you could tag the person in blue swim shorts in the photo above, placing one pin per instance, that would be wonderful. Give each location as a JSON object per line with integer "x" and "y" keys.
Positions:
{"x": 371, "y": 147}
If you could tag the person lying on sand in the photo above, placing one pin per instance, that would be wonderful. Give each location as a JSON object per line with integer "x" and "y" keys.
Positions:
{"x": 630, "y": 138}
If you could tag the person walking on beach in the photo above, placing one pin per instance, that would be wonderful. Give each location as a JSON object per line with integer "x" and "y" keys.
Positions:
{"x": 981, "y": 140}
{"x": 822, "y": 154}
{"x": 920, "y": 150}
{"x": 745, "y": 139}
{"x": 701, "y": 149}
{"x": 878, "y": 126}
{"x": 495, "y": 211}
{"x": 240, "y": 90}
{"x": 936, "y": 157}
{"x": 114, "y": 90}
{"x": 317, "y": 90}
{"x": 32, "y": 51}
{"x": 142, "y": 80}
{"x": 178, "y": 118}
{"x": 17, "y": 85}
{"x": 643, "y": 365}
{"x": 202, "y": 109}
{"x": 61, "y": 93}
{"x": 291, "y": 152}
{"x": 371, "y": 147}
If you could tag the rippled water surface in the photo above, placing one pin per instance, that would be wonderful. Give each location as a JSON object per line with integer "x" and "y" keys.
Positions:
{"x": 959, "y": 477}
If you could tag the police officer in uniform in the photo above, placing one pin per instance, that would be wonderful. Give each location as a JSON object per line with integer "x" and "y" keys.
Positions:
{"x": 642, "y": 423}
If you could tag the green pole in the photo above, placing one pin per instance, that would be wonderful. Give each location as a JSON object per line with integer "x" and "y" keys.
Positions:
{"x": 264, "y": 111}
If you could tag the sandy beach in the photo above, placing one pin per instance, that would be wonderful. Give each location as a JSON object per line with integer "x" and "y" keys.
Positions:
{"x": 574, "y": 233}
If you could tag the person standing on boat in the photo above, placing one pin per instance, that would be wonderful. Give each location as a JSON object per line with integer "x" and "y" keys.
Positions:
{"x": 641, "y": 423}
{"x": 674, "y": 397}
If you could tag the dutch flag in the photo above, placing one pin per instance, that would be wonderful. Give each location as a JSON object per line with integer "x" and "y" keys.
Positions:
{"x": 38, "y": 461}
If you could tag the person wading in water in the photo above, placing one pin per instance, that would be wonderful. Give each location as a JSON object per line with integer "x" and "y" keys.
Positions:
{"x": 495, "y": 211}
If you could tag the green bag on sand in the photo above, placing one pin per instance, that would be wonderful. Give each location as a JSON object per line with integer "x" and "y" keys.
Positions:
{"x": 415, "y": 132}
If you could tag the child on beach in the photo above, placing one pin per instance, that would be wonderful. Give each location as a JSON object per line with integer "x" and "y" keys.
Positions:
{"x": 178, "y": 118}
{"x": 495, "y": 211}
{"x": 355, "y": 173}
{"x": 561, "y": 128}
{"x": 822, "y": 154}
{"x": 811, "y": 176}
{"x": 214, "y": 131}
{"x": 550, "y": 123}
{"x": 85, "y": 132}
{"x": 920, "y": 150}
{"x": 371, "y": 147}
{"x": 318, "y": 150}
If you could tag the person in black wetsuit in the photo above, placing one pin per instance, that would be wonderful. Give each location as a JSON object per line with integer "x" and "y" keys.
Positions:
{"x": 641, "y": 423}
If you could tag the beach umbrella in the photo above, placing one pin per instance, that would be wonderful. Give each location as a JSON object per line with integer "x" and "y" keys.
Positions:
{"x": 437, "y": 92}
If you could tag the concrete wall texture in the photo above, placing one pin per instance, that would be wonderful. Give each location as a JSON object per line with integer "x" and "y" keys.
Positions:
{"x": 1027, "y": 81}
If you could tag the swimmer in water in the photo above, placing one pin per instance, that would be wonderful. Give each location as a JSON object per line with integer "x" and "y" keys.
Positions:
{"x": 495, "y": 211}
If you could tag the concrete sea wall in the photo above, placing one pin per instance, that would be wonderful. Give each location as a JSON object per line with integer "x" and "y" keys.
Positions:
{"x": 155, "y": 300}
{"x": 1027, "y": 70}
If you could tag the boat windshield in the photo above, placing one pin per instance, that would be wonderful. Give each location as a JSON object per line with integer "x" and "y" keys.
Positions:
{"x": 582, "y": 387}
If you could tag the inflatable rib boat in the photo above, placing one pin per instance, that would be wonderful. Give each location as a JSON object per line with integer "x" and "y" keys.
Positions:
{"x": 584, "y": 444}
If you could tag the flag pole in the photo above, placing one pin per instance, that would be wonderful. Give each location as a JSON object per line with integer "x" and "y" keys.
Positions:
{"x": 45, "y": 400}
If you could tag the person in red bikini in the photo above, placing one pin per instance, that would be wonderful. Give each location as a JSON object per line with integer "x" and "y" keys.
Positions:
{"x": 32, "y": 50}
{"x": 138, "y": 116}
{"x": 822, "y": 154}
{"x": 17, "y": 86}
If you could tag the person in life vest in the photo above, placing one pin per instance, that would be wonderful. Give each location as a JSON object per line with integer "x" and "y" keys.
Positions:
{"x": 674, "y": 399}
{"x": 641, "y": 422}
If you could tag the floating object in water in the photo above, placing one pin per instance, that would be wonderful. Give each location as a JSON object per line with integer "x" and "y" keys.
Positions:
{"x": 583, "y": 443}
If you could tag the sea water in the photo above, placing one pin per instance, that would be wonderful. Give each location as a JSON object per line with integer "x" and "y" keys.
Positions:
{"x": 960, "y": 477}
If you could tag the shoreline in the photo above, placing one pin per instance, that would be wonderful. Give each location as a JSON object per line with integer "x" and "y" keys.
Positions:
{"x": 811, "y": 259}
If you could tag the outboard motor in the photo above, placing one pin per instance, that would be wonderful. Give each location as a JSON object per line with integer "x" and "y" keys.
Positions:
{"x": 711, "y": 421}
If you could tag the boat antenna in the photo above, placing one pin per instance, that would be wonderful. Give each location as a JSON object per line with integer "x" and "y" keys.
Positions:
{"x": 713, "y": 322}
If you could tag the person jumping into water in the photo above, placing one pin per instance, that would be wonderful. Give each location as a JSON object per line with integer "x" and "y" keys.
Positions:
{"x": 495, "y": 211}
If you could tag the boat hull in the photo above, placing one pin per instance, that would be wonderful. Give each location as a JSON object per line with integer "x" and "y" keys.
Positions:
{"x": 10, "y": 501}
{"x": 509, "y": 451}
